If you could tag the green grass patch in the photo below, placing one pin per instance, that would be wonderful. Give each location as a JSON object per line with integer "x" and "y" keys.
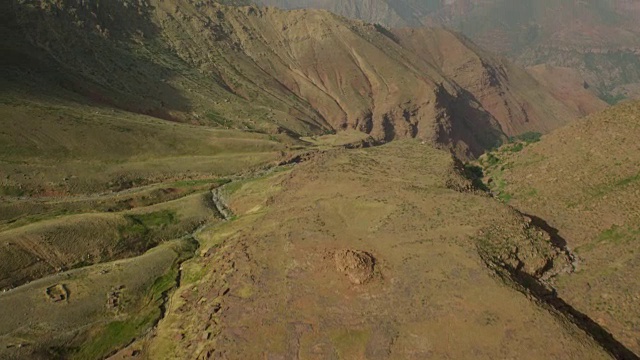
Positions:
{"x": 528, "y": 137}
{"x": 612, "y": 99}
{"x": 234, "y": 186}
{"x": 351, "y": 343}
{"x": 627, "y": 181}
{"x": 505, "y": 197}
{"x": 24, "y": 220}
{"x": 137, "y": 233}
{"x": 115, "y": 335}
{"x": 219, "y": 119}
{"x": 193, "y": 273}
{"x": 618, "y": 234}
{"x": 154, "y": 219}
{"x": 492, "y": 160}
{"x": 615, "y": 235}
{"x": 517, "y": 147}
{"x": 163, "y": 284}
{"x": 607, "y": 188}
{"x": 11, "y": 191}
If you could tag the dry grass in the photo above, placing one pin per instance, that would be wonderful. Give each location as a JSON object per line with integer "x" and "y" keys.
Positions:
{"x": 87, "y": 325}
{"x": 32, "y": 251}
{"x": 430, "y": 293}
{"x": 69, "y": 148}
{"x": 589, "y": 189}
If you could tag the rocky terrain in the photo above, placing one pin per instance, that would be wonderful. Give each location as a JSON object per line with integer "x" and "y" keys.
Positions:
{"x": 301, "y": 72}
{"x": 188, "y": 179}
{"x": 583, "y": 181}
{"x": 597, "y": 38}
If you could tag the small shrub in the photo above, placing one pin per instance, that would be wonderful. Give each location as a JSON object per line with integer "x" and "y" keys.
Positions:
{"x": 473, "y": 171}
{"x": 516, "y": 147}
{"x": 492, "y": 160}
{"x": 505, "y": 197}
{"x": 384, "y": 31}
{"x": 475, "y": 174}
{"x": 529, "y": 137}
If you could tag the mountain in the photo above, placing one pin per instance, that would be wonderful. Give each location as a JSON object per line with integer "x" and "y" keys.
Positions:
{"x": 185, "y": 179}
{"x": 301, "y": 72}
{"x": 583, "y": 180}
{"x": 597, "y": 38}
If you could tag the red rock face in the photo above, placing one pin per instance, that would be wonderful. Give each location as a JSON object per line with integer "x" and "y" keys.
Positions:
{"x": 600, "y": 39}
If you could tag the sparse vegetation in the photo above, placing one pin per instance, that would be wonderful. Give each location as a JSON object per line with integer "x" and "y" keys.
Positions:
{"x": 528, "y": 138}
{"x": 219, "y": 119}
{"x": 11, "y": 191}
{"x": 384, "y": 31}
{"x": 612, "y": 99}
{"x": 150, "y": 171}
{"x": 114, "y": 335}
{"x": 618, "y": 234}
{"x": 138, "y": 233}
{"x": 199, "y": 182}
{"x": 491, "y": 159}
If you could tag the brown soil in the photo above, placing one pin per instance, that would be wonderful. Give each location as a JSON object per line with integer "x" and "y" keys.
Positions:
{"x": 280, "y": 282}
{"x": 582, "y": 182}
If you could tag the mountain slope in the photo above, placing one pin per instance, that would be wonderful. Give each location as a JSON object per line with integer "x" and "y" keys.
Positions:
{"x": 160, "y": 198}
{"x": 519, "y": 102}
{"x": 322, "y": 260}
{"x": 301, "y": 72}
{"x": 389, "y": 13}
{"x": 289, "y": 292}
{"x": 598, "y": 38}
{"x": 583, "y": 179}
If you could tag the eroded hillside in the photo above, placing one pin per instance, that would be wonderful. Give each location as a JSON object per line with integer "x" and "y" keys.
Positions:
{"x": 583, "y": 180}
{"x": 597, "y": 38}
{"x": 184, "y": 179}
{"x": 300, "y": 72}
{"x": 378, "y": 267}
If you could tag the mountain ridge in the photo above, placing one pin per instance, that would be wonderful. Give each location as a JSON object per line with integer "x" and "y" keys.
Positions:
{"x": 257, "y": 67}
{"x": 598, "y": 38}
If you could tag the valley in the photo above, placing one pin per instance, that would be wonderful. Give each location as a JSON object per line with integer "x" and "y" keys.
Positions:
{"x": 199, "y": 179}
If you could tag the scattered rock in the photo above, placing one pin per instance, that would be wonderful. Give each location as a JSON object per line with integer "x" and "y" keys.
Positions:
{"x": 357, "y": 265}
{"x": 114, "y": 298}
{"x": 57, "y": 293}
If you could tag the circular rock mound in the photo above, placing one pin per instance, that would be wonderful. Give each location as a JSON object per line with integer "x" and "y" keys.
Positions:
{"x": 357, "y": 265}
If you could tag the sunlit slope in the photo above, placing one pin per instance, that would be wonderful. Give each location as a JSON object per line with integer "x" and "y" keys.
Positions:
{"x": 584, "y": 180}
{"x": 266, "y": 70}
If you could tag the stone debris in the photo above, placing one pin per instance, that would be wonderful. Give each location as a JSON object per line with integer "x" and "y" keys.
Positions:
{"x": 357, "y": 265}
